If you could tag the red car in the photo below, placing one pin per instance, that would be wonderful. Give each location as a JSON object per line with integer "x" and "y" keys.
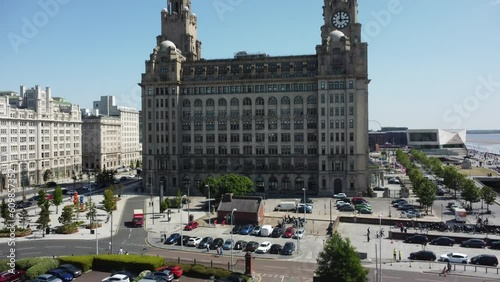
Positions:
{"x": 190, "y": 226}
{"x": 289, "y": 232}
{"x": 16, "y": 275}
{"x": 175, "y": 269}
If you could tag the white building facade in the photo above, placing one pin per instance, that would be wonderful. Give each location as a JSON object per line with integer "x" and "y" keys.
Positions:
{"x": 38, "y": 133}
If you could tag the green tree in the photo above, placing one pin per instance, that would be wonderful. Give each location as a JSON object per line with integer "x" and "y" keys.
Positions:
{"x": 24, "y": 218}
{"x": 109, "y": 201}
{"x": 58, "y": 198}
{"x": 163, "y": 206}
{"x": 105, "y": 177}
{"x": 66, "y": 215}
{"x": 137, "y": 164}
{"x": 44, "y": 218}
{"x": 236, "y": 184}
{"x": 42, "y": 197}
{"x": 427, "y": 194}
{"x": 470, "y": 191}
{"x": 4, "y": 211}
{"x": 452, "y": 178}
{"x": 339, "y": 261}
{"x": 47, "y": 175}
{"x": 92, "y": 211}
{"x": 131, "y": 164}
{"x": 488, "y": 195}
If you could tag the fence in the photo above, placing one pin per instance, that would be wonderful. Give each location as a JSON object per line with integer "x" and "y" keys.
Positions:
{"x": 437, "y": 265}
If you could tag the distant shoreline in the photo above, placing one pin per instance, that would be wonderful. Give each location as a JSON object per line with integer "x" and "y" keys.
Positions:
{"x": 496, "y": 131}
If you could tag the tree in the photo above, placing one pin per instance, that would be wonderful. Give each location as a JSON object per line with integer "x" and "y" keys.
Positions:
{"x": 470, "y": 191}
{"x": 58, "y": 198}
{"x": 4, "y": 211}
{"x": 131, "y": 164}
{"x": 105, "y": 177}
{"x": 24, "y": 218}
{"x": 236, "y": 184}
{"x": 137, "y": 164}
{"x": 92, "y": 212}
{"x": 452, "y": 178}
{"x": 42, "y": 197}
{"x": 339, "y": 261}
{"x": 109, "y": 201}
{"x": 427, "y": 194}
{"x": 66, "y": 215}
{"x": 488, "y": 195}
{"x": 44, "y": 218}
{"x": 47, "y": 175}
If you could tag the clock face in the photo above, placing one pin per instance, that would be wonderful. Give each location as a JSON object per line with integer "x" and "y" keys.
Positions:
{"x": 341, "y": 19}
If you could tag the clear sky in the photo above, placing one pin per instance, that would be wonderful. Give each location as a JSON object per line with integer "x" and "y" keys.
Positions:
{"x": 433, "y": 63}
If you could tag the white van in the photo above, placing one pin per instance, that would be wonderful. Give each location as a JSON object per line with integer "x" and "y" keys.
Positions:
{"x": 266, "y": 230}
{"x": 460, "y": 215}
{"x": 286, "y": 206}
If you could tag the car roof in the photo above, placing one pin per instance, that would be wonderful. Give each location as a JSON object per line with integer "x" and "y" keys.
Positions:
{"x": 456, "y": 254}
{"x": 121, "y": 276}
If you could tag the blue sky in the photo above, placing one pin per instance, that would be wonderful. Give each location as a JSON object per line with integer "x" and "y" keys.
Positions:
{"x": 433, "y": 64}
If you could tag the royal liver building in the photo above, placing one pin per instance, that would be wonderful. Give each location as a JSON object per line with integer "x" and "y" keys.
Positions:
{"x": 287, "y": 122}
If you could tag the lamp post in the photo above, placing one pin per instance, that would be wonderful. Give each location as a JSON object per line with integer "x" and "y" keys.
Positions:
{"x": 187, "y": 183}
{"x": 180, "y": 216}
{"x": 232, "y": 244}
{"x": 380, "y": 248}
{"x": 209, "y": 215}
{"x": 305, "y": 204}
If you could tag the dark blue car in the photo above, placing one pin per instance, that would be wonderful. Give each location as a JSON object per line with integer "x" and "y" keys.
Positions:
{"x": 247, "y": 229}
{"x": 172, "y": 239}
{"x": 61, "y": 274}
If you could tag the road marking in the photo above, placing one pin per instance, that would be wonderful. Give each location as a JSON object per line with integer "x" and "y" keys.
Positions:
{"x": 54, "y": 246}
{"x": 32, "y": 253}
{"x": 27, "y": 248}
{"x": 418, "y": 279}
{"x": 278, "y": 267}
{"x": 82, "y": 247}
{"x": 392, "y": 277}
{"x": 310, "y": 270}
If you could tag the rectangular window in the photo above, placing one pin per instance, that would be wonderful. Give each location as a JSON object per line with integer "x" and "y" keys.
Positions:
{"x": 351, "y": 123}
{"x": 351, "y": 98}
{"x": 285, "y": 137}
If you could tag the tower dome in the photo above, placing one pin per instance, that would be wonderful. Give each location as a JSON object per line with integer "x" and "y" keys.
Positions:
{"x": 336, "y": 35}
{"x": 166, "y": 45}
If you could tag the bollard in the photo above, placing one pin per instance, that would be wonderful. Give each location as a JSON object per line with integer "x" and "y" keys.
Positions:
{"x": 391, "y": 262}
{"x": 429, "y": 265}
{"x": 178, "y": 260}
{"x": 211, "y": 264}
{"x": 475, "y": 268}
{"x": 410, "y": 263}
{"x": 194, "y": 261}
{"x": 228, "y": 266}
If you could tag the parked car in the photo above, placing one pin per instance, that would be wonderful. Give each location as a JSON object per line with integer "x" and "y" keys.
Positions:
{"x": 347, "y": 208}
{"x": 365, "y": 211}
{"x": 423, "y": 255}
{"x": 193, "y": 241}
{"x": 359, "y": 200}
{"x": 275, "y": 249}
{"x": 123, "y": 178}
{"x": 191, "y": 225}
{"x": 443, "y": 241}
{"x": 341, "y": 203}
{"x": 490, "y": 260}
{"x": 165, "y": 274}
{"x": 175, "y": 269}
{"x": 247, "y": 229}
{"x": 308, "y": 201}
{"x": 308, "y": 208}
{"x": 256, "y": 230}
{"x": 289, "y": 232}
{"x": 405, "y": 207}
{"x": 454, "y": 258}
{"x": 399, "y": 202}
{"x": 240, "y": 245}
{"x": 340, "y": 195}
{"x": 299, "y": 234}
{"x": 50, "y": 278}
{"x": 184, "y": 240}
{"x": 288, "y": 248}
{"x": 411, "y": 214}
{"x": 495, "y": 245}
{"x": 379, "y": 189}
{"x": 362, "y": 206}
{"x": 12, "y": 275}
{"x": 277, "y": 232}
{"x": 251, "y": 246}
{"x": 218, "y": 242}
{"x": 228, "y": 245}
{"x": 264, "y": 247}
{"x": 23, "y": 204}
{"x": 417, "y": 239}
{"x": 236, "y": 229}
{"x": 345, "y": 200}
{"x": 61, "y": 274}
{"x": 172, "y": 239}
{"x": 204, "y": 242}
{"x": 473, "y": 243}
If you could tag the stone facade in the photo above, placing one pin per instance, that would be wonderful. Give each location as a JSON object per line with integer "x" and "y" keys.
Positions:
{"x": 39, "y": 132}
{"x": 287, "y": 122}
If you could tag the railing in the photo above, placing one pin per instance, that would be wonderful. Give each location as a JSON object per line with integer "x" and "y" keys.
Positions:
{"x": 455, "y": 266}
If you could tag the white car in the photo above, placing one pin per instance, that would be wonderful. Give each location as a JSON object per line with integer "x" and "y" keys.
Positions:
{"x": 340, "y": 195}
{"x": 117, "y": 278}
{"x": 454, "y": 258}
{"x": 264, "y": 247}
{"x": 341, "y": 203}
{"x": 256, "y": 231}
{"x": 299, "y": 234}
{"x": 195, "y": 241}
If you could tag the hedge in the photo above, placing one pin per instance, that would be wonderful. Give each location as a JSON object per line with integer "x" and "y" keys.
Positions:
{"x": 201, "y": 271}
{"x": 26, "y": 263}
{"x": 132, "y": 263}
{"x": 4, "y": 265}
{"x": 83, "y": 262}
{"x": 42, "y": 267}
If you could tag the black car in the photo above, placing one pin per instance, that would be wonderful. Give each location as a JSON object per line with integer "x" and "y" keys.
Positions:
{"x": 251, "y": 246}
{"x": 218, "y": 242}
{"x": 172, "y": 239}
{"x": 406, "y": 207}
{"x": 22, "y": 204}
{"x": 277, "y": 232}
{"x": 345, "y": 200}
{"x": 275, "y": 249}
{"x": 473, "y": 243}
{"x": 346, "y": 208}
{"x": 417, "y": 239}
{"x": 204, "y": 242}
{"x": 288, "y": 248}
{"x": 184, "y": 240}
{"x": 308, "y": 201}
{"x": 236, "y": 229}
{"x": 423, "y": 255}
{"x": 490, "y": 260}
{"x": 379, "y": 189}
{"x": 495, "y": 245}
{"x": 71, "y": 269}
{"x": 240, "y": 245}
{"x": 443, "y": 241}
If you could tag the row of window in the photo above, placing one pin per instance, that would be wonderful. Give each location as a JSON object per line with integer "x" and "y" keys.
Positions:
{"x": 263, "y": 150}
{"x": 261, "y": 137}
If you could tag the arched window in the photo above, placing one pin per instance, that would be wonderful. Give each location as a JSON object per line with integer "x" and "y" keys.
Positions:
{"x": 273, "y": 183}
{"x": 285, "y": 101}
{"x": 259, "y": 184}
{"x": 311, "y": 100}
{"x": 312, "y": 184}
{"x": 210, "y": 103}
{"x": 286, "y": 183}
{"x": 297, "y": 100}
{"x": 259, "y": 101}
{"x": 198, "y": 103}
{"x": 247, "y": 102}
{"x": 299, "y": 183}
{"x": 186, "y": 103}
{"x": 222, "y": 102}
{"x": 235, "y": 102}
{"x": 273, "y": 101}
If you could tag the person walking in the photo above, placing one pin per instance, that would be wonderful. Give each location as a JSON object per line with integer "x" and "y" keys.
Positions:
{"x": 221, "y": 252}
{"x": 120, "y": 252}
{"x": 208, "y": 248}
{"x": 109, "y": 245}
{"x": 394, "y": 253}
{"x": 399, "y": 255}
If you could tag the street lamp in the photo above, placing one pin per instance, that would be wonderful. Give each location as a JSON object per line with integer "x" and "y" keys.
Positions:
{"x": 232, "y": 244}
{"x": 209, "y": 215}
{"x": 305, "y": 204}
{"x": 180, "y": 216}
{"x": 187, "y": 183}
{"x": 380, "y": 248}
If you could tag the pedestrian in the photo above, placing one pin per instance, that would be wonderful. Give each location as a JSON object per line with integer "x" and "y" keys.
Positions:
{"x": 448, "y": 267}
{"x": 109, "y": 245}
{"x": 221, "y": 252}
{"x": 368, "y": 231}
{"x": 368, "y": 237}
{"x": 394, "y": 253}
{"x": 208, "y": 248}
{"x": 218, "y": 251}
{"x": 120, "y": 252}
{"x": 402, "y": 228}
{"x": 399, "y": 255}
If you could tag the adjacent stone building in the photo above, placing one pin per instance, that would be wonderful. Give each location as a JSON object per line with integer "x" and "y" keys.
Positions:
{"x": 287, "y": 122}
{"x": 38, "y": 133}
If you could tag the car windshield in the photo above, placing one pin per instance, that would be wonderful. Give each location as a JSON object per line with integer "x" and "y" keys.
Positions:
{"x": 263, "y": 245}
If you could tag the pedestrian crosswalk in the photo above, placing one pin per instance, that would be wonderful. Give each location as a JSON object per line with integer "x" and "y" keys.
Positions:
{"x": 280, "y": 277}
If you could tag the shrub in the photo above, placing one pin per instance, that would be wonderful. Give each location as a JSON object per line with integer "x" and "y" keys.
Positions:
{"x": 67, "y": 229}
{"x": 20, "y": 232}
{"x": 198, "y": 271}
{"x": 83, "y": 262}
{"x": 4, "y": 265}
{"x": 26, "y": 263}
{"x": 132, "y": 263}
{"x": 42, "y": 267}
